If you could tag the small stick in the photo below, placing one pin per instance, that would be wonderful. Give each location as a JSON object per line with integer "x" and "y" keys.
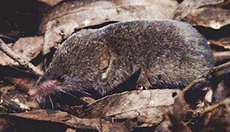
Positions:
{"x": 220, "y": 67}
{"x": 4, "y": 48}
{"x": 4, "y": 36}
{"x": 205, "y": 75}
{"x": 214, "y": 106}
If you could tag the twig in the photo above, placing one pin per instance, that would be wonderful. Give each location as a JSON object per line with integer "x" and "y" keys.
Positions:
{"x": 214, "y": 106}
{"x": 220, "y": 67}
{"x": 205, "y": 76}
{"x": 7, "y": 37}
{"x": 4, "y": 48}
{"x": 193, "y": 83}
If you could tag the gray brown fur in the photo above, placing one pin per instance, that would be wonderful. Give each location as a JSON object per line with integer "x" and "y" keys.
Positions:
{"x": 153, "y": 54}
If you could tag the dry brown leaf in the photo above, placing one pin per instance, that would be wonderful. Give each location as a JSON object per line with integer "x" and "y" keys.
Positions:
{"x": 28, "y": 48}
{"x": 65, "y": 18}
{"x": 148, "y": 106}
{"x": 213, "y": 17}
{"x": 83, "y": 11}
{"x": 221, "y": 55}
{"x": 189, "y": 5}
{"x": 45, "y": 121}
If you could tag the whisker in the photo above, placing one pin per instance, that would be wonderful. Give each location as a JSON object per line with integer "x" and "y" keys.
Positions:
{"x": 86, "y": 93}
{"x": 69, "y": 94}
{"x": 58, "y": 95}
{"x": 52, "y": 105}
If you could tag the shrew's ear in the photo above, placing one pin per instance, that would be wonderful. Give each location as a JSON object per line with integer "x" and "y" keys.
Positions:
{"x": 105, "y": 62}
{"x": 104, "y": 58}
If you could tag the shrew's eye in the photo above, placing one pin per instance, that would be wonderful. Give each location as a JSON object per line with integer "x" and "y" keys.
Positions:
{"x": 61, "y": 78}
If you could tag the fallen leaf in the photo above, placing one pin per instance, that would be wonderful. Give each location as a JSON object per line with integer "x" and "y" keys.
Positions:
{"x": 64, "y": 18}
{"x": 221, "y": 55}
{"x": 148, "y": 106}
{"x": 189, "y": 5}
{"x": 213, "y": 17}
{"x": 28, "y": 48}
{"x": 45, "y": 121}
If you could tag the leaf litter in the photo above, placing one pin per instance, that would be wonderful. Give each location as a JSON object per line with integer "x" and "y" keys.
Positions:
{"x": 132, "y": 110}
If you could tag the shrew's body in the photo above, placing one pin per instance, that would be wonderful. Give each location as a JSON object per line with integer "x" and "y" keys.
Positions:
{"x": 149, "y": 54}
